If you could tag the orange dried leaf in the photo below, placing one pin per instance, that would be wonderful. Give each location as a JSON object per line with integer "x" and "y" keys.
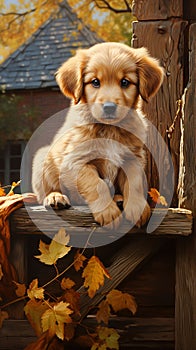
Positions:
{"x": 58, "y": 248}
{"x": 85, "y": 341}
{"x": 79, "y": 261}
{"x": 67, "y": 283}
{"x": 34, "y": 310}
{"x": 156, "y": 197}
{"x": 34, "y": 291}
{"x": 103, "y": 313}
{"x": 20, "y": 289}
{"x": 93, "y": 275}
{"x": 119, "y": 301}
{"x": 69, "y": 331}
{"x": 2, "y": 192}
{"x": 3, "y": 316}
{"x": 54, "y": 319}
{"x": 73, "y": 298}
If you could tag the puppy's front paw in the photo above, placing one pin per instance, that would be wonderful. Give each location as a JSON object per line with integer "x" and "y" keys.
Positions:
{"x": 138, "y": 213}
{"x": 56, "y": 200}
{"x": 110, "y": 216}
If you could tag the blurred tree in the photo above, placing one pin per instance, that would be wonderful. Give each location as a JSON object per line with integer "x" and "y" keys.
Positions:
{"x": 12, "y": 109}
{"x": 111, "y": 19}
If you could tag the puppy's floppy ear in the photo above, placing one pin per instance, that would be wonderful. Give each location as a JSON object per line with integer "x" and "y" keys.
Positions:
{"x": 150, "y": 74}
{"x": 70, "y": 76}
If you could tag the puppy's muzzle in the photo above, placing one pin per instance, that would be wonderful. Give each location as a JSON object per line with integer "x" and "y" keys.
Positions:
{"x": 109, "y": 110}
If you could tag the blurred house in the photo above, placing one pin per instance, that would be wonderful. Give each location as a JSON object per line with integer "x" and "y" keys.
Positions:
{"x": 29, "y": 74}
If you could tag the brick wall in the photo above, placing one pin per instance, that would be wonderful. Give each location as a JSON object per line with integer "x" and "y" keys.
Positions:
{"x": 46, "y": 102}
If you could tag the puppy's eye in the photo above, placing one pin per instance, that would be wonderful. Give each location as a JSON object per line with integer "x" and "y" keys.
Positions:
{"x": 124, "y": 83}
{"x": 95, "y": 83}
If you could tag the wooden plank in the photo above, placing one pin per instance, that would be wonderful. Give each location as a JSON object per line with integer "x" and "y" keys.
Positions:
{"x": 79, "y": 220}
{"x": 186, "y": 250}
{"x": 165, "y": 41}
{"x": 134, "y": 329}
{"x": 16, "y": 334}
{"x": 134, "y": 332}
{"x": 124, "y": 262}
{"x": 157, "y": 9}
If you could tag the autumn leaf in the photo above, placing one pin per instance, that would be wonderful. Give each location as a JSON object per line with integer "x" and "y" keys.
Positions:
{"x": 103, "y": 313}
{"x": 55, "y": 318}
{"x": 67, "y": 283}
{"x": 97, "y": 346}
{"x": 3, "y": 316}
{"x": 50, "y": 253}
{"x": 34, "y": 309}
{"x": 110, "y": 336}
{"x": 20, "y": 289}
{"x": 119, "y": 301}
{"x": 79, "y": 260}
{"x": 93, "y": 275}
{"x": 108, "y": 339}
{"x": 85, "y": 341}
{"x": 34, "y": 291}
{"x": 14, "y": 184}
{"x": 156, "y": 197}
{"x": 1, "y": 272}
{"x": 73, "y": 298}
{"x": 69, "y": 331}
{"x": 2, "y": 192}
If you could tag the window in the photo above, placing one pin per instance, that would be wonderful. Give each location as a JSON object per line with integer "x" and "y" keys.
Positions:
{"x": 10, "y": 161}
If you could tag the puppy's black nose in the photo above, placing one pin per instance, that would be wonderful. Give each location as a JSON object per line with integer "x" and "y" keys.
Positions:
{"x": 109, "y": 108}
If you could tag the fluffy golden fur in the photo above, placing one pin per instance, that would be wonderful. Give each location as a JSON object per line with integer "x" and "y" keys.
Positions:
{"x": 100, "y": 146}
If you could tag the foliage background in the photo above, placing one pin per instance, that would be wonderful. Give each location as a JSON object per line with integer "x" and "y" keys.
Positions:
{"x": 111, "y": 20}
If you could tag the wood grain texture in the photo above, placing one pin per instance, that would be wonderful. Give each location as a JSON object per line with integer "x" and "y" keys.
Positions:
{"x": 186, "y": 250}
{"x": 124, "y": 262}
{"x": 157, "y": 9}
{"x": 135, "y": 333}
{"x": 165, "y": 42}
{"x": 79, "y": 220}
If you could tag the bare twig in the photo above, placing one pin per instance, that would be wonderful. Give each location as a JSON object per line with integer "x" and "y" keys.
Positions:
{"x": 108, "y": 6}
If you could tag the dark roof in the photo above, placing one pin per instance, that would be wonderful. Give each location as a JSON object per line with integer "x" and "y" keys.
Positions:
{"x": 33, "y": 65}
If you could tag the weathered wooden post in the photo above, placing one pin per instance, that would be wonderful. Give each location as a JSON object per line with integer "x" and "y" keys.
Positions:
{"x": 186, "y": 249}
{"x": 160, "y": 28}
{"x": 168, "y": 30}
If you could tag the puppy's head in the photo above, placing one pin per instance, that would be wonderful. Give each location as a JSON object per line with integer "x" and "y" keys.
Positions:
{"x": 110, "y": 77}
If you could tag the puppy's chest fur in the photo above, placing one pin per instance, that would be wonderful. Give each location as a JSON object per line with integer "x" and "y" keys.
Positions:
{"x": 114, "y": 148}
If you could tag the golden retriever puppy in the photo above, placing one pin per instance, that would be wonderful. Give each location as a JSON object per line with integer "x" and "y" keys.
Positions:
{"x": 99, "y": 150}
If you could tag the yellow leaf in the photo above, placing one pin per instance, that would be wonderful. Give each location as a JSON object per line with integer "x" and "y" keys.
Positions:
{"x": 156, "y": 197}
{"x": 108, "y": 337}
{"x": 34, "y": 291}
{"x": 50, "y": 253}
{"x": 93, "y": 275}
{"x": 103, "y": 313}
{"x": 67, "y": 283}
{"x": 14, "y": 184}
{"x": 78, "y": 260}
{"x": 34, "y": 309}
{"x": 20, "y": 290}
{"x": 1, "y": 272}
{"x": 54, "y": 319}
{"x": 163, "y": 201}
{"x": 3, "y": 316}
{"x": 120, "y": 301}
